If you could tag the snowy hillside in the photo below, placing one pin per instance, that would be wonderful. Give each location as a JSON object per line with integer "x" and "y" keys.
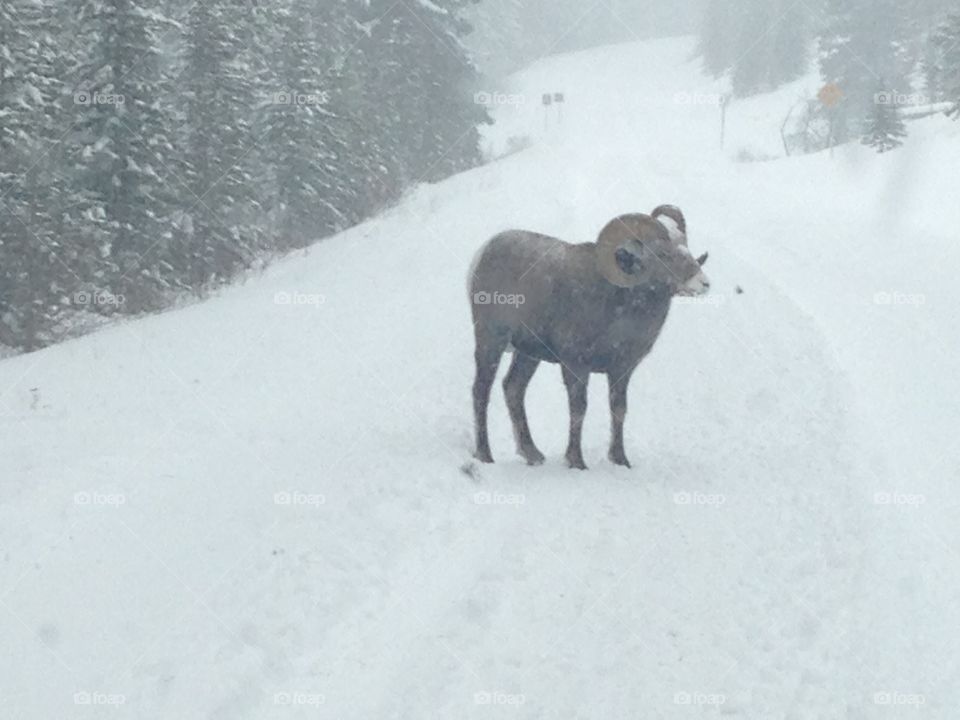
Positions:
{"x": 257, "y": 507}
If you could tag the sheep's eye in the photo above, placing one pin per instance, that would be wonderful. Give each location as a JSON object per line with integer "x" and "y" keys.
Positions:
{"x": 626, "y": 261}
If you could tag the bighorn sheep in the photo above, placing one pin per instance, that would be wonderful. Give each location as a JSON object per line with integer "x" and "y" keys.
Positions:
{"x": 594, "y": 307}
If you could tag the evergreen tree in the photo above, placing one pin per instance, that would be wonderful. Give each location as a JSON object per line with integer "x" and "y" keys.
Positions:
{"x": 451, "y": 138}
{"x": 716, "y": 44}
{"x": 763, "y": 43}
{"x": 948, "y": 64}
{"x": 790, "y": 42}
{"x": 751, "y": 66}
{"x": 218, "y": 234}
{"x": 121, "y": 150}
{"x": 930, "y": 66}
{"x": 884, "y": 128}
{"x": 142, "y": 156}
{"x": 304, "y": 140}
{"x": 32, "y": 266}
{"x": 922, "y": 26}
{"x": 370, "y": 167}
{"x": 502, "y": 41}
{"x": 423, "y": 88}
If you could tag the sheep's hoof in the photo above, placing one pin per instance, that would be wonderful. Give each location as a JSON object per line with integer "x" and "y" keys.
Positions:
{"x": 576, "y": 463}
{"x": 484, "y": 456}
{"x": 532, "y": 456}
{"x": 619, "y": 458}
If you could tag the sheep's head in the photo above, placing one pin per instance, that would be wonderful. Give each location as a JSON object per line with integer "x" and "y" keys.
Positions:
{"x": 635, "y": 250}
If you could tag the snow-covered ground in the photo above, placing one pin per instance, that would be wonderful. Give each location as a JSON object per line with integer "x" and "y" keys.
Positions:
{"x": 256, "y": 507}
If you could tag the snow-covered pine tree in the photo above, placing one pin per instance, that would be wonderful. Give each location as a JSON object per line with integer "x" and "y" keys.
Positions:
{"x": 391, "y": 114}
{"x": 348, "y": 104}
{"x": 367, "y": 163}
{"x": 217, "y": 235}
{"x": 790, "y": 42}
{"x": 751, "y": 62}
{"x": 948, "y": 42}
{"x": 931, "y": 69}
{"x": 921, "y": 49}
{"x": 452, "y": 138}
{"x": 717, "y": 45}
{"x": 121, "y": 151}
{"x": 304, "y": 141}
{"x": 884, "y": 129}
{"x": 33, "y": 269}
{"x": 423, "y": 89}
{"x": 772, "y": 45}
{"x": 502, "y": 42}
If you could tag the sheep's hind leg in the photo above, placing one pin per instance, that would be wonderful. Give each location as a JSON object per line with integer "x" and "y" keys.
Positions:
{"x": 515, "y": 387}
{"x": 488, "y": 360}
{"x": 576, "y": 382}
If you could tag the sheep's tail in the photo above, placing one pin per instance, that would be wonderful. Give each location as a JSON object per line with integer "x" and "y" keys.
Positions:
{"x": 472, "y": 272}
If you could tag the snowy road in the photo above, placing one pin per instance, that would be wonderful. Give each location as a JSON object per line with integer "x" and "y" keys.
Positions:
{"x": 256, "y": 507}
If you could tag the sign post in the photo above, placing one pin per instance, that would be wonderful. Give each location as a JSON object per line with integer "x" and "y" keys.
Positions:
{"x": 830, "y": 96}
{"x": 724, "y": 101}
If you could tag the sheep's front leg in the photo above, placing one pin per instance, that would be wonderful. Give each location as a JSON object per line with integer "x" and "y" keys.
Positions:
{"x": 618, "y": 412}
{"x": 576, "y": 381}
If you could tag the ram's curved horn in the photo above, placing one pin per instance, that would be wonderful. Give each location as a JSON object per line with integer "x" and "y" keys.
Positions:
{"x": 676, "y": 225}
{"x": 615, "y": 236}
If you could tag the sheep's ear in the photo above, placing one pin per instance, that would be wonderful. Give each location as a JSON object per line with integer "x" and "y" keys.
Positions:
{"x": 702, "y": 260}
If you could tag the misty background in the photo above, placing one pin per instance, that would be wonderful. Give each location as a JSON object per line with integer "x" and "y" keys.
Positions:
{"x": 153, "y": 151}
